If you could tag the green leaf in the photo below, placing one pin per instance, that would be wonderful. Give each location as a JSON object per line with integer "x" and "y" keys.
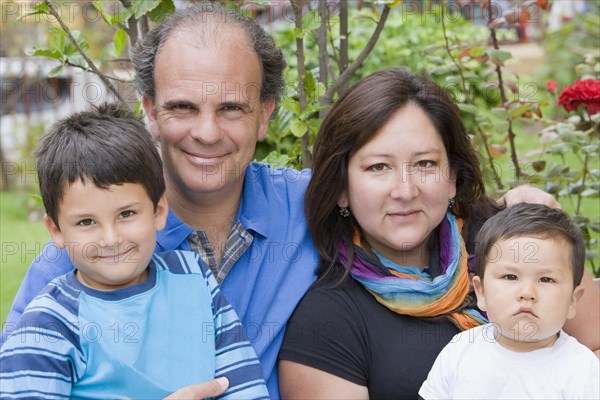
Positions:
{"x": 55, "y": 71}
{"x": 99, "y": 6}
{"x": 590, "y": 148}
{"x": 517, "y": 111}
{"x": 142, "y": 7}
{"x": 560, "y": 148}
{"x": 120, "y": 40}
{"x": 500, "y": 55}
{"x": 309, "y": 83}
{"x": 37, "y": 198}
{"x": 538, "y": 165}
{"x": 501, "y": 126}
{"x": 590, "y": 193}
{"x": 468, "y": 108}
{"x": 44, "y": 53}
{"x": 164, "y": 9}
{"x": 122, "y": 16}
{"x": 40, "y": 8}
{"x": 311, "y": 21}
{"x": 291, "y": 105}
{"x": 435, "y": 60}
{"x": 276, "y": 160}
{"x": 298, "y": 127}
{"x": 500, "y": 112}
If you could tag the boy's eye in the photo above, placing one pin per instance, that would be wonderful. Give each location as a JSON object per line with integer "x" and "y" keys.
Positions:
{"x": 127, "y": 214}
{"x": 546, "y": 279}
{"x": 510, "y": 277}
{"x": 85, "y": 222}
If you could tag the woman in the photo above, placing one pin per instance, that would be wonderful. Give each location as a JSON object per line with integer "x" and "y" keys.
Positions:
{"x": 394, "y": 203}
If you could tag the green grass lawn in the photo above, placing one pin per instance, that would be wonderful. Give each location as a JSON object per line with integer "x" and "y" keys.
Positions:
{"x": 20, "y": 240}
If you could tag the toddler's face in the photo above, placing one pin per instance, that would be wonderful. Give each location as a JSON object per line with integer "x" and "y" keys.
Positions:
{"x": 110, "y": 234}
{"x": 527, "y": 291}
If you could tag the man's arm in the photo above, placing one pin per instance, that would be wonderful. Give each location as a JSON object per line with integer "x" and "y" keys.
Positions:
{"x": 49, "y": 264}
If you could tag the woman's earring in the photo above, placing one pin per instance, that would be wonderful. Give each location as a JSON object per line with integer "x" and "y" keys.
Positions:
{"x": 451, "y": 203}
{"x": 344, "y": 212}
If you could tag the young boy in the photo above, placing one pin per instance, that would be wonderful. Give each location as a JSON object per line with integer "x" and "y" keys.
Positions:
{"x": 529, "y": 264}
{"x": 125, "y": 322}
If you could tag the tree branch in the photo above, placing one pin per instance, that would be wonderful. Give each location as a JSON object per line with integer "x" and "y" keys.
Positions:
{"x": 348, "y": 72}
{"x": 322, "y": 43}
{"x": 297, "y": 8}
{"x": 89, "y": 62}
{"x": 132, "y": 25}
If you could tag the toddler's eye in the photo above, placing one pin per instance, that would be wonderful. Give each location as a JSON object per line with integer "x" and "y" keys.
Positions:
{"x": 85, "y": 222}
{"x": 510, "y": 277}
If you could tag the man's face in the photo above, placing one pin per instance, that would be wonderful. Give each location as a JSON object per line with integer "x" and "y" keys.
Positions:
{"x": 207, "y": 113}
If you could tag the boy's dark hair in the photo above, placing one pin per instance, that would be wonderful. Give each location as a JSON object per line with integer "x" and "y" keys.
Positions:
{"x": 534, "y": 220}
{"x": 107, "y": 145}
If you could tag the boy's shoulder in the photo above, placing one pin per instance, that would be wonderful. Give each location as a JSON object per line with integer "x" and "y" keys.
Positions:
{"x": 180, "y": 262}
{"x": 570, "y": 347}
{"x": 59, "y": 290}
{"x": 54, "y": 312}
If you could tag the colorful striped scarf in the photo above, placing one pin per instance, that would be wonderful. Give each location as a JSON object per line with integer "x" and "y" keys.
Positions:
{"x": 406, "y": 290}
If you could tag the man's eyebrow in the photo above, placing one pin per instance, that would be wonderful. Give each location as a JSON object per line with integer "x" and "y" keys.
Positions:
{"x": 176, "y": 102}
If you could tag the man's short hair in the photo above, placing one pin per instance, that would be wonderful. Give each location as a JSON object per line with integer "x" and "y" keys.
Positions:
{"x": 207, "y": 19}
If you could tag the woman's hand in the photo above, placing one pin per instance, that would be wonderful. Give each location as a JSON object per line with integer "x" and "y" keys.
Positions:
{"x": 201, "y": 390}
{"x": 528, "y": 194}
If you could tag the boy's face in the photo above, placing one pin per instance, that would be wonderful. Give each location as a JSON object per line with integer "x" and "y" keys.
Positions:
{"x": 109, "y": 234}
{"x": 527, "y": 291}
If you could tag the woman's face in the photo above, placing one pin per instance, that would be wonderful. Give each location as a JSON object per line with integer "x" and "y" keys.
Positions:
{"x": 399, "y": 184}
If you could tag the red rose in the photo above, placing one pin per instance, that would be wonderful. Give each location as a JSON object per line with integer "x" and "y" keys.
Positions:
{"x": 582, "y": 92}
{"x": 551, "y": 86}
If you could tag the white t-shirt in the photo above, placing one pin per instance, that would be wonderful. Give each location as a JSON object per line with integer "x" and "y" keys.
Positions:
{"x": 474, "y": 366}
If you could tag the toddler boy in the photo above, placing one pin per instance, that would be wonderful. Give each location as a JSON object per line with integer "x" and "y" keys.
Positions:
{"x": 529, "y": 264}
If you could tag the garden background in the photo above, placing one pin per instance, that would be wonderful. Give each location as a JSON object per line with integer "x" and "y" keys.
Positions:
{"x": 507, "y": 63}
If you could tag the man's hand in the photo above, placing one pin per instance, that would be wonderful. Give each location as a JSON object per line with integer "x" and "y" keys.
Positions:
{"x": 528, "y": 194}
{"x": 201, "y": 390}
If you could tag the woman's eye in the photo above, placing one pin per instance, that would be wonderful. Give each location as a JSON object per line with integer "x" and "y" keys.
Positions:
{"x": 426, "y": 164}
{"x": 377, "y": 167}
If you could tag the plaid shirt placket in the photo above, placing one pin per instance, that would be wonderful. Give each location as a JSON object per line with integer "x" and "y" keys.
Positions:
{"x": 238, "y": 241}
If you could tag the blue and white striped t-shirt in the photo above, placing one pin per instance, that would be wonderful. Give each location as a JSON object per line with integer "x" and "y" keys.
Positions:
{"x": 140, "y": 342}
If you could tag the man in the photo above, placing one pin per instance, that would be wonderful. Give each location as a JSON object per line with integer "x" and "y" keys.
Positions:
{"x": 208, "y": 92}
{"x": 209, "y": 81}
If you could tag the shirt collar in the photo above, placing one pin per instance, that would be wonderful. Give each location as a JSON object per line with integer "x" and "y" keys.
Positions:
{"x": 254, "y": 212}
{"x": 174, "y": 233}
{"x": 251, "y": 212}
